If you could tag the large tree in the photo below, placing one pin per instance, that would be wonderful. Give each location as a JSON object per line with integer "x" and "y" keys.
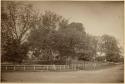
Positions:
{"x": 40, "y": 37}
{"x": 56, "y": 34}
{"x": 16, "y": 21}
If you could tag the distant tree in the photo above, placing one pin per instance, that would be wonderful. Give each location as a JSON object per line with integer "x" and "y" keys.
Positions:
{"x": 17, "y": 20}
{"x": 73, "y": 35}
{"x": 89, "y": 48}
{"x": 110, "y": 48}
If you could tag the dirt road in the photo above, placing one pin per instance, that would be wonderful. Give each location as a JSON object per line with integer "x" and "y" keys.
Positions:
{"x": 110, "y": 75}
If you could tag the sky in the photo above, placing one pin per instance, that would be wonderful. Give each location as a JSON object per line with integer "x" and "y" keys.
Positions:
{"x": 98, "y": 18}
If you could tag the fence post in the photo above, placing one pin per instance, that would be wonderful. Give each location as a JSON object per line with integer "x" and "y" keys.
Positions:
{"x": 75, "y": 67}
{"x": 55, "y": 67}
{"x": 34, "y": 68}
{"x": 6, "y": 68}
{"x": 94, "y": 65}
{"x": 80, "y": 67}
{"x": 47, "y": 67}
{"x": 24, "y": 68}
{"x": 72, "y": 67}
{"x": 59, "y": 67}
{"x": 67, "y": 66}
{"x": 14, "y": 68}
{"x": 84, "y": 65}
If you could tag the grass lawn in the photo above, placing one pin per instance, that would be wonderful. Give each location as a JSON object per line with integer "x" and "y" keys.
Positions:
{"x": 113, "y": 74}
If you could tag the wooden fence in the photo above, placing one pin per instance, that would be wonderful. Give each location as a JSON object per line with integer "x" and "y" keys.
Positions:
{"x": 82, "y": 66}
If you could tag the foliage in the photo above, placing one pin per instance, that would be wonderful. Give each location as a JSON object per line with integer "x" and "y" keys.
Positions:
{"x": 40, "y": 37}
{"x": 89, "y": 48}
{"x": 63, "y": 39}
{"x": 49, "y": 36}
{"x": 17, "y": 20}
{"x": 16, "y": 51}
{"x": 110, "y": 48}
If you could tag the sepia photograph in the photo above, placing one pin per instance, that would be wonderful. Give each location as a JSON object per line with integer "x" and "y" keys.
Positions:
{"x": 62, "y": 41}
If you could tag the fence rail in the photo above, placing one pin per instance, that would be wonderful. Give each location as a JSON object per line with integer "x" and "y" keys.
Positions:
{"x": 82, "y": 66}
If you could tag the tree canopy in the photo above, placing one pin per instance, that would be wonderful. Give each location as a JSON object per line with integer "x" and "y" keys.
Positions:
{"x": 49, "y": 36}
{"x": 17, "y": 19}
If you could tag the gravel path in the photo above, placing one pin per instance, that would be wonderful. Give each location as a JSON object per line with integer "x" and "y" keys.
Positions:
{"x": 110, "y": 75}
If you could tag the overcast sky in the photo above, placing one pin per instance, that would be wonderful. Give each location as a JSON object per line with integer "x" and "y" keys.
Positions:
{"x": 97, "y": 17}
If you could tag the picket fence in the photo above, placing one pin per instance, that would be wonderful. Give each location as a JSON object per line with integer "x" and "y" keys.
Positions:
{"x": 82, "y": 66}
